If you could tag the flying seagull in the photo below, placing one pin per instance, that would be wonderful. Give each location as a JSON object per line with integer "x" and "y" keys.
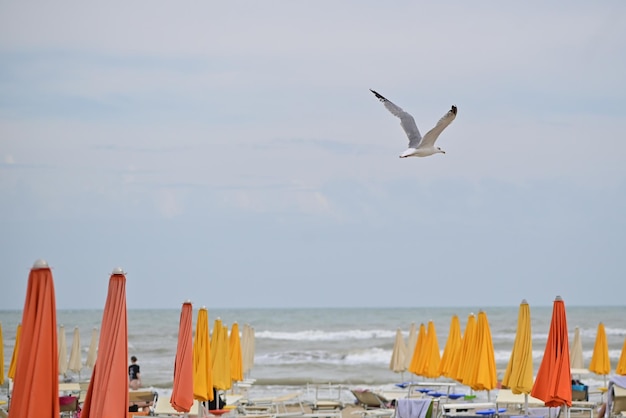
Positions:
{"x": 418, "y": 146}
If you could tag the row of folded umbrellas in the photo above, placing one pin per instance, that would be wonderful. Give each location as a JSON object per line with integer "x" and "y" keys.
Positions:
{"x": 202, "y": 364}
{"x": 469, "y": 359}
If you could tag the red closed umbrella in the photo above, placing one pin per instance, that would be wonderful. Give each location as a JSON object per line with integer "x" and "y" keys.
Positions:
{"x": 107, "y": 395}
{"x": 182, "y": 391}
{"x": 36, "y": 386}
{"x": 553, "y": 383}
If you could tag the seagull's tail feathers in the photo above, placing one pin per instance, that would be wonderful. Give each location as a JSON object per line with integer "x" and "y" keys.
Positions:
{"x": 410, "y": 152}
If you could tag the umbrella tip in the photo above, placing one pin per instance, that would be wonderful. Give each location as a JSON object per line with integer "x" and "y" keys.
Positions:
{"x": 187, "y": 301}
{"x": 40, "y": 264}
{"x": 558, "y": 298}
{"x": 118, "y": 270}
{"x": 524, "y": 302}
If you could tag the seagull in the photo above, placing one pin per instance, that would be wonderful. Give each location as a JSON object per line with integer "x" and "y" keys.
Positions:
{"x": 418, "y": 146}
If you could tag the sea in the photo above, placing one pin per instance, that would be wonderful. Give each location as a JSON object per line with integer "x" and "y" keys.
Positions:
{"x": 299, "y": 347}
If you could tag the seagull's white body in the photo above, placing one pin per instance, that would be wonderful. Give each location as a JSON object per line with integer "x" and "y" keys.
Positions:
{"x": 418, "y": 146}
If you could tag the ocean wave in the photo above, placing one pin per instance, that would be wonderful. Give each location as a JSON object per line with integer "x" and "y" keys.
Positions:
{"x": 320, "y": 335}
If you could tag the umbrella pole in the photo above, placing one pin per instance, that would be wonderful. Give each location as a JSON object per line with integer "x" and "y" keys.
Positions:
{"x": 526, "y": 404}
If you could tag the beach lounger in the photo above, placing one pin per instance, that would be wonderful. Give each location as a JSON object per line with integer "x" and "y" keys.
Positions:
{"x": 143, "y": 399}
{"x": 370, "y": 400}
{"x": 163, "y": 408}
{"x": 328, "y": 397}
{"x": 506, "y": 398}
{"x": 464, "y": 409}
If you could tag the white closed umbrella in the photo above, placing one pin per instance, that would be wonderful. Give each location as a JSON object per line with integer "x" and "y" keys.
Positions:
{"x": 93, "y": 346}
{"x": 62, "y": 346}
{"x": 75, "y": 363}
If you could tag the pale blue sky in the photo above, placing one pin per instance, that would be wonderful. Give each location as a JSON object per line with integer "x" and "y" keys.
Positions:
{"x": 231, "y": 153}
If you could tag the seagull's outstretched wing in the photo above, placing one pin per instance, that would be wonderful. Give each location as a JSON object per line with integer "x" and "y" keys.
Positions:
{"x": 432, "y": 135}
{"x": 406, "y": 120}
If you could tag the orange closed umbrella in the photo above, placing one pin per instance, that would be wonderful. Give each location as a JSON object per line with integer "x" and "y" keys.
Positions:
{"x": 553, "y": 383}
{"x": 432, "y": 356}
{"x": 182, "y": 390}
{"x": 453, "y": 345}
{"x": 519, "y": 371}
{"x": 36, "y": 387}
{"x": 621, "y": 363}
{"x": 13, "y": 364}
{"x": 202, "y": 372}
{"x": 600, "y": 362}
{"x": 107, "y": 395}
{"x": 234, "y": 344}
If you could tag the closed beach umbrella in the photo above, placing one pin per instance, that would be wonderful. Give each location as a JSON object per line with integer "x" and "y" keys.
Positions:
{"x": 247, "y": 349}
{"x": 1, "y": 357}
{"x": 410, "y": 345}
{"x": 600, "y": 362}
{"x": 182, "y": 390}
{"x": 62, "y": 351}
{"x": 483, "y": 368}
{"x": 93, "y": 349}
{"x": 13, "y": 364}
{"x": 576, "y": 352}
{"x": 464, "y": 357}
{"x": 75, "y": 364}
{"x": 397, "y": 364}
{"x": 553, "y": 383}
{"x": 234, "y": 345}
{"x": 432, "y": 355}
{"x": 621, "y": 364}
{"x": 220, "y": 356}
{"x": 36, "y": 383}
{"x": 451, "y": 350}
{"x": 202, "y": 373}
{"x": 416, "y": 358}
{"x": 519, "y": 372}
{"x": 107, "y": 395}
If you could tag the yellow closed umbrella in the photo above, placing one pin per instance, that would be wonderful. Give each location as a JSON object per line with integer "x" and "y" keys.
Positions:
{"x": 1, "y": 357}
{"x": 202, "y": 373}
{"x": 220, "y": 356}
{"x": 482, "y": 374}
{"x": 416, "y": 357}
{"x": 466, "y": 347}
{"x": 450, "y": 351}
{"x": 519, "y": 372}
{"x": 621, "y": 364}
{"x": 432, "y": 355}
{"x": 13, "y": 364}
{"x": 600, "y": 362}
{"x": 236, "y": 361}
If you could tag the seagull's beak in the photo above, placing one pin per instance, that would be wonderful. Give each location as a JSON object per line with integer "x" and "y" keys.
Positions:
{"x": 443, "y": 151}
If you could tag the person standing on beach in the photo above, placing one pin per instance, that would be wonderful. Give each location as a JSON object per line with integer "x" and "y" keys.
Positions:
{"x": 133, "y": 374}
